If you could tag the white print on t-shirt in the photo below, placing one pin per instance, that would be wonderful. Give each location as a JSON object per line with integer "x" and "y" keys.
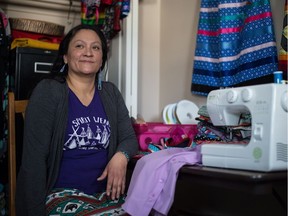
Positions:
{"x": 83, "y": 137}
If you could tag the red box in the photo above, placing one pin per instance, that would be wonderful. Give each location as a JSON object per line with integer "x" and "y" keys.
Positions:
{"x": 152, "y": 132}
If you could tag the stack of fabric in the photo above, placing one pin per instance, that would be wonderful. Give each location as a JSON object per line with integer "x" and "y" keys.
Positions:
{"x": 35, "y": 34}
{"x": 208, "y": 133}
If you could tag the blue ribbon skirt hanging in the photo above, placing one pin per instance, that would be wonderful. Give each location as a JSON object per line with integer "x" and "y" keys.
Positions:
{"x": 235, "y": 45}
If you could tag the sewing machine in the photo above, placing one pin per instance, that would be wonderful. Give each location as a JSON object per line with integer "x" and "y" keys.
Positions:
{"x": 267, "y": 148}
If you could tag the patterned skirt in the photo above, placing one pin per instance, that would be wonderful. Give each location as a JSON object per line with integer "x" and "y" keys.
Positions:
{"x": 74, "y": 202}
{"x": 235, "y": 46}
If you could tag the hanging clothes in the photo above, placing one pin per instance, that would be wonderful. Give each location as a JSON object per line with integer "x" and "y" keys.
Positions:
{"x": 105, "y": 13}
{"x": 235, "y": 45}
{"x": 90, "y": 11}
{"x": 5, "y": 40}
{"x": 283, "y": 54}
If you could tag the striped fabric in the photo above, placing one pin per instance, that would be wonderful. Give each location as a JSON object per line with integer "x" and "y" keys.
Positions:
{"x": 235, "y": 45}
{"x": 283, "y": 54}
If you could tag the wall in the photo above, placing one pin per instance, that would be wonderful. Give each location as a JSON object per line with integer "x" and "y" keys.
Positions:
{"x": 167, "y": 37}
{"x": 149, "y": 59}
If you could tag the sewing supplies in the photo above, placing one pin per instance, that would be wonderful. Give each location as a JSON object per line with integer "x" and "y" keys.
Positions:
{"x": 278, "y": 77}
{"x": 183, "y": 112}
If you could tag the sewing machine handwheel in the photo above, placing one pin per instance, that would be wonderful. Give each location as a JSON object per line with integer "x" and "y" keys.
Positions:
{"x": 284, "y": 101}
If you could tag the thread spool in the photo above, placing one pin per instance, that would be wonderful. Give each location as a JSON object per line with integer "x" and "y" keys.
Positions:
{"x": 278, "y": 77}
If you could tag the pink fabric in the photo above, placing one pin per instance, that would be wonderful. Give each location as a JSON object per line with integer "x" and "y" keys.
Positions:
{"x": 154, "y": 179}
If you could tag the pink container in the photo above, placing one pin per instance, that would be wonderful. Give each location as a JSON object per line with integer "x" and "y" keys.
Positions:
{"x": 152, "y": 132}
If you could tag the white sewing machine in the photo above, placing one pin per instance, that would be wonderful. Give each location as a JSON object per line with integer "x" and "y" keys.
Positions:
{"x": 267, "y": 149}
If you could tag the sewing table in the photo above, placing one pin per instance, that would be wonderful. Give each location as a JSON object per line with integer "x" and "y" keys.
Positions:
{"x": 207, "y": 191}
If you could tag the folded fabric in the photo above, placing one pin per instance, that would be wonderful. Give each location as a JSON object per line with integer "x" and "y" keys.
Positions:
{"x": 154, "y": 178}
{"x": 28, "y": 42}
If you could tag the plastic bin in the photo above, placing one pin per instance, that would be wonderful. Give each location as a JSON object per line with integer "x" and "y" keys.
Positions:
{"x": 152, "y": 132}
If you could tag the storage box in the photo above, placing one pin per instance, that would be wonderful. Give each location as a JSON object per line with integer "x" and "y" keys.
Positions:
{"x": 152, "y": 132}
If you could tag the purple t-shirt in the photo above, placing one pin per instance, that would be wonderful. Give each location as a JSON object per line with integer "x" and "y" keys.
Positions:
{"x": 85, "y": 151}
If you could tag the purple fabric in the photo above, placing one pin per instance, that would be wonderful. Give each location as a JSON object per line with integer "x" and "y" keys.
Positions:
{"x": 154, "y": 178}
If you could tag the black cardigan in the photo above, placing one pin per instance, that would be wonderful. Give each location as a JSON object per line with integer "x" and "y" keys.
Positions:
{"x": 44, "y": 131}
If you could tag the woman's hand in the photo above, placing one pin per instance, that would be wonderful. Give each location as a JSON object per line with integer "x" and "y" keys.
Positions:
{"x": 116, "y": 173}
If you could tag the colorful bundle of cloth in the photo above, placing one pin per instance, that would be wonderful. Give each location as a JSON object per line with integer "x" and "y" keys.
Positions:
{"x": 33, "y": 43}
{"x": 208, "y": 133}
{"x": 106, "y": 13}
{"x": 178, "y": 139}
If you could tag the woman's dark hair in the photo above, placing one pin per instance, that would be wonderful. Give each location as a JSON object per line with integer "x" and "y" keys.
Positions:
{"x": 58, "y": 69}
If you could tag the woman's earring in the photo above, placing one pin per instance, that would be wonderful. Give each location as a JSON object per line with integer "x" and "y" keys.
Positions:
{"x": 100, "y": 80}
{"x": 63, "y": 68}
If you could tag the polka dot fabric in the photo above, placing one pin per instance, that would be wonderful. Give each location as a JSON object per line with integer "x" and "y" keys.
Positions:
{"x": 235, "y": 45}
{"x": 283, "y": 52}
